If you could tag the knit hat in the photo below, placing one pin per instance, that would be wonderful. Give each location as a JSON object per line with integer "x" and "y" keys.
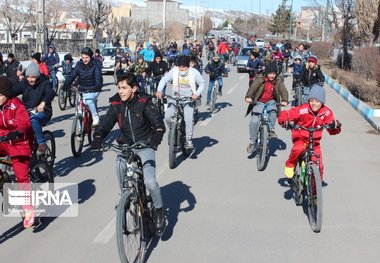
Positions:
{"x": 184, "y": 61}
{"x": 317, "y": 92}
{"x": 33, "y": 70}
{"x": 87, "y": 51}
{"x": 270, "y": 67}
{"x": 298, "y": 57}
{"x": 37, "y": 56}
{"x": 5, "y": 87}
{"x": 313, "y": 59}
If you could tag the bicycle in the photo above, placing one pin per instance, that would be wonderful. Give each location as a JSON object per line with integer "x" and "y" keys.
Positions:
{"x": 39, "y": 173}
{"x": 49, "y": 155}
{"x": 262, "y": 140}
{"x": 64, "y": 95}
{"x": 177, "y": 132}
{"x": 82, "y": 125}
{"x": 158, "y": 103}
{"x": 306, "y": 183}
{"x": 134, "y": 215}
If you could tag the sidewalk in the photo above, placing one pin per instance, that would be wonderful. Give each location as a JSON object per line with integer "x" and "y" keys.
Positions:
{"x": 370, "y": 114}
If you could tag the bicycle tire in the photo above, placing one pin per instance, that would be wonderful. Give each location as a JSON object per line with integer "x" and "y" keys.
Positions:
{"x": 49, "y": 155}
{"x": 62, "y": 98}
{"x": 72, "y": 98}
{"x": 172, "y": 145}
{"x": 314, "y": 199}
{"x": 213, "y": 98}
{"x": 161, "y": 107}
{"x": 297, "y": 185}
{"x": 131, "y": 244}
{"x": 299, "y": 96}
{"x": 77, "y": 136}
{"x": 262, "y": 147}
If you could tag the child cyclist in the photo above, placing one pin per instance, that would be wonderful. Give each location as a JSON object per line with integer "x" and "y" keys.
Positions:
{"x": 15, "y": 125}
{"x": 312, "y": 114}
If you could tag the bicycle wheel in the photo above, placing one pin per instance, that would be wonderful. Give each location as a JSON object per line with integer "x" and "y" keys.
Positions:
{"x": 262, "y": 147}
{"x": 72, "y": 98}
{"x": 77, "y": 136}
{"x": 161, "y": 107}
{"x": 130, "y": 239}
{"x": 298, "y": 96}
{"x": 172, "y": 145}
{"x": 62, "y": 98}
{"x": 49, "y": 155}
{"x": 314, "y": 198}
{"x": 297, "y": 185}
{"x": 213, "y": 98}
{"x": 41, "y": 173}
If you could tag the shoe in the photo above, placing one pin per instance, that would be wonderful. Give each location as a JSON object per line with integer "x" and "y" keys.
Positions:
{"x": 159, "y": 221}
{"x": 95, "y": 120}
{"x": 220, "y": 93}
{"x": 272, "y": 134}
{"x": 189, "y": 145}
{"x": 251, "y": 147}
{"x": 29, "y": 218}
{"x": 289, "y": 172}
{"x": 41, "y": 149}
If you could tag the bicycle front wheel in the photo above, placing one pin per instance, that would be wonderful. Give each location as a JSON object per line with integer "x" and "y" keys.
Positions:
{"x": 77, "y": 136}
{"x": 50, "y": 149}
{"x": 40, "y": 173}
{"x": 213, "y": 99}
{"x": 262, "y": 147}
{"x": 72, "y": 97}
{"x": 172, "y": 145}
{"x": 130, "y": 239}
{"x": 62, "y": 98}
{"x": 314, "y": 198}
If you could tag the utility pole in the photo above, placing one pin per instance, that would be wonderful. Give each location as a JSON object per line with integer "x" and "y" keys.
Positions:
{"x": 291, "y": 21}
{"x": 40, "y": 37}
{"x": 164, "y": 20}
{"x": 195, "y": 19}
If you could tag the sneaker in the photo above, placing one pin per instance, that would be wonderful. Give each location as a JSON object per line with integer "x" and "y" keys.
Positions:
{"x": 95, "y": 120}
{"x": 272, "y": 134}
{"x": 159, "y": 221}
{"x": 189, "y": 145}
{"x": 251, "y": 147}
{"x": 41, "y": 149}
{"x": 289, "y": 172}
{"x": 29, "y": 218}
{"x": 220, "y": 93}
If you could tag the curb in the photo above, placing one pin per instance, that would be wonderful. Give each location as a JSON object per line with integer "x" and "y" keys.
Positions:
{"x": 366, "y": 111}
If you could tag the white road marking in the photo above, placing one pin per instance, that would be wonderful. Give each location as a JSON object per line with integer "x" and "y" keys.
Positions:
{"x": 242, "y": 76}
{"x": 232, "y": 89}
{"x": 106, "y": 234}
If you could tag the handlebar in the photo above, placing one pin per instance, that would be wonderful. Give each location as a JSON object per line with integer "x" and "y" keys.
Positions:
{"x": 179, "y": 99}
{"x": 311, "y": 129}
{"x": 125, "y": 147}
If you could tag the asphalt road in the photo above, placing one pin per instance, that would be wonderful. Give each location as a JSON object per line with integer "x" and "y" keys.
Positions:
{"x": 220, "y": 208}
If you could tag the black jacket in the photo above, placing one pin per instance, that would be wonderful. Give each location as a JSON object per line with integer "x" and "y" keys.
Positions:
{"x": 137, "y": 118}
{"x": 215, "y": 70}
{"x": 313, "y": 76}
{"x": 11, "y": 70}
{"x": 32, "y": 96}
{"x": 90, "y": 76}
{"x": 158, "y": 69}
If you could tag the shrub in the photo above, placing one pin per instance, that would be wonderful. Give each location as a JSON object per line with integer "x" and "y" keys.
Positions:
{"x": 364, "y": 62}
{"x": 376, "y": 72}
{"x": 346, "y": 62}
{"x": 361, "y": 89}
{"x": 322, "y": 49}
{"x": 334, "y": 73}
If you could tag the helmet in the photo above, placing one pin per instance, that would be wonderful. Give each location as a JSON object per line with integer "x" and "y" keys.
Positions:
{"x": 87, "y": 51}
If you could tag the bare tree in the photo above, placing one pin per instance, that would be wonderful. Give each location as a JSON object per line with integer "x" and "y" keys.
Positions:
{"x": 343, "y": 17}
{"x": 141, "y": 30}
{"x": 96, "y": 13}
{"x": 125, "y": 28}
{"x": 54, "y": 20}
{"x": 111, "y": 26}
{"x": 16, "y": 14}
{"x": 366, "y": 14}
{"x": 376, "y": 26}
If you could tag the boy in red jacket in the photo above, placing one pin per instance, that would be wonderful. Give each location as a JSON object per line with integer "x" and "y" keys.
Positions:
{"x": 312, "y": 114}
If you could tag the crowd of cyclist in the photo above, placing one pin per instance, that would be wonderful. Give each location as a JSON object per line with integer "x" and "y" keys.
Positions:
{"x": 132, "y": 108}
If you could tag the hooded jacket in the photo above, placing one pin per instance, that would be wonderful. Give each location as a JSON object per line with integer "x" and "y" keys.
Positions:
{"x": 51, "y": 59}
{"x": 147, "y": 53}
{"x": 312, "y": 76}
{"x": 137, "y": 118}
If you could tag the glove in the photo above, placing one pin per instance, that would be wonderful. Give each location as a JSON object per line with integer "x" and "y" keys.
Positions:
{"x": 96, "y": 142}
{"x": 156, "y": 138}
{"x": 14, "y": 135}
{"x": 335, "y": 124}
{"x": 285, "y": 124}
{"x": 121, "y": 139}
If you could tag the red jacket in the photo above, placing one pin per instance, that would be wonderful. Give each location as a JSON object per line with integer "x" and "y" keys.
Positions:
{"x": 223, "y": 48}
{"x": 43, "y": 69}
{"x": 14, "y": 117}
{"x": 304, "y": 116}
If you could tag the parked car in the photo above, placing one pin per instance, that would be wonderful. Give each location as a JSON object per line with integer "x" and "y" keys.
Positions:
{"x": 242, "y": 59}
{"x": 108, "y": 54}
{"x": 260, "y": 42}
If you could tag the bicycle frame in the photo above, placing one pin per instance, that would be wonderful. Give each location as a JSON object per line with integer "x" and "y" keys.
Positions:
{"x": 84, "y": 111}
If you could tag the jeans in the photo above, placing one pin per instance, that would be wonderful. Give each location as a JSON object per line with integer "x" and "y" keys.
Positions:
{"x": 90, "y": 99}
{"x": 37, "y": 121}
{"x": 148, "y": 160}
{"x": 255, "y": 118}
{"x": 142, "y": 82}
{"x": 188, "y": 111}
{"x": 211, "y": 84}
{"x": 54, "y": 79}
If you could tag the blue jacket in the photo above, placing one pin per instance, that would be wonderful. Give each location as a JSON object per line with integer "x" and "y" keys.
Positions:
{"x": 147, "y": 53}
{"x": 215, "y": 70}
{"x": 253, "y": 64}
{"x": 50, "y": 59}
{"x": 90, "y": 76}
